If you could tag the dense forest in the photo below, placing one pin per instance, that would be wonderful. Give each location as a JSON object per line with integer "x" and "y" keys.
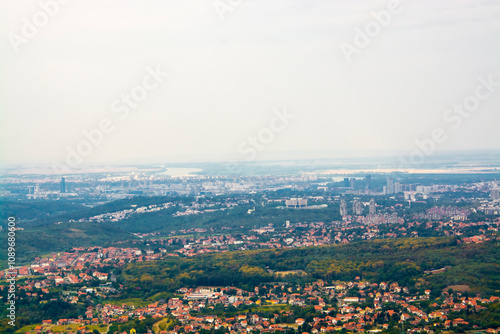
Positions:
{"x": 401, "y": 260}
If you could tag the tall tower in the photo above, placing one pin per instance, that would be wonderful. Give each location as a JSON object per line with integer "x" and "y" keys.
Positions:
{"x": 357, "y": 208}
{"x": 63, "y": 185}
{"x": 343, "y": 208}
{"x": 373, "y": 208}
{"x": 346, "y": 182}
{"x": 368, "y": 181}
{"x": 390, "y": 186}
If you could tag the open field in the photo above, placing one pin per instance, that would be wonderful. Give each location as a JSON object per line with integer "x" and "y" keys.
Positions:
{"x": 66, "y": 328}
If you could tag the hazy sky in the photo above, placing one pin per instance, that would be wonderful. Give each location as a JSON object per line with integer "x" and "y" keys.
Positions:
{"x": 232, "y": 64}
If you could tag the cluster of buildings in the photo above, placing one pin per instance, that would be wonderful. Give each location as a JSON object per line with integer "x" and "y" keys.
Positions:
{"x": 335, "y": 307}
{"x": 153, "y": 247}
{"x": 442, "y": 212}
{"x": 312, "y": 234}
{"x": 117, "y": 184}
{"x": 355, "y": 306}
{"x": 58, "y": 268}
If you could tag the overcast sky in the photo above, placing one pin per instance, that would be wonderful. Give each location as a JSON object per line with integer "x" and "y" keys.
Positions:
{"x": 231, "y": 65}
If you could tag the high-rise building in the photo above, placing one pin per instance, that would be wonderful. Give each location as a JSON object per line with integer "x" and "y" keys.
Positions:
{"x": 357, "y": 208}
{"x": 346, "y": 182}
{"x": 368, "y": 182}
{"x": 373, "y": 208}
{"x": 63, "y": 185}
{"x": 390, "y": 186}
{"x": 352, "y": 183}
{"x": 343, "y": 208}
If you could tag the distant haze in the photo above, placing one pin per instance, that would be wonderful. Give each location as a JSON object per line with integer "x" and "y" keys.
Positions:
{"x": 237, "y": 78}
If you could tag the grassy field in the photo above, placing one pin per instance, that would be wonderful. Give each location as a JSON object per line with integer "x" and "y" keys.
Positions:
{"x": 66, "y": 328}
{"x": 25, "y": 329}
{"x": 459, "y": 288}
{"x": 270, "y": 307}
{"x": 161, "y": 325}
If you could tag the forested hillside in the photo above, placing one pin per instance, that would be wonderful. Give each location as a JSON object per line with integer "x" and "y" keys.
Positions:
{"x": 401, "y": 260}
